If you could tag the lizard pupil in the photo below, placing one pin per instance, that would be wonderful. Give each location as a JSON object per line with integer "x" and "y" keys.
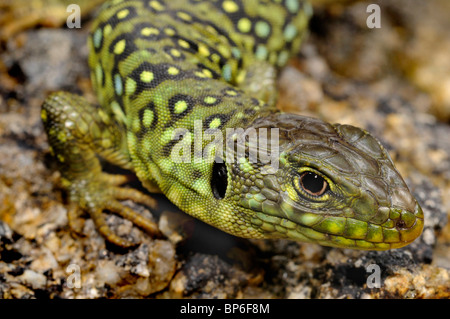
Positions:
{"x": 219, "y": 180}
{"x": 313, "y": 184}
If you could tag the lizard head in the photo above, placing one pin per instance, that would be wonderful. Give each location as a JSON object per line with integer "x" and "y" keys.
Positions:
{"x": 334, "y": 185}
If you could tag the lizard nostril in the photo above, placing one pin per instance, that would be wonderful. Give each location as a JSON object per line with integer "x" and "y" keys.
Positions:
{"x": 400, "y": 224}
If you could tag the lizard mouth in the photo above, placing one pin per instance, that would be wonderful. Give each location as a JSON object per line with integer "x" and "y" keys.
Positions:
{"x": 399, "y": 230}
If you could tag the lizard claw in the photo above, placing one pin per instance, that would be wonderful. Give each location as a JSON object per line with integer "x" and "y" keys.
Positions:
{"x": 104, "y": 194}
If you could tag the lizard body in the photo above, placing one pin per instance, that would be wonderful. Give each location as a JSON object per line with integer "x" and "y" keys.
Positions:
{"x": 165, "y": 71}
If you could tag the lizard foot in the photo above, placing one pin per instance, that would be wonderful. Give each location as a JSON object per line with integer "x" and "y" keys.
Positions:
{"x": 103, "y": 194}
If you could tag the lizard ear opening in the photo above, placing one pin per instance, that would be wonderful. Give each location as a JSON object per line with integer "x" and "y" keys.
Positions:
{"x": 219, "y": 180}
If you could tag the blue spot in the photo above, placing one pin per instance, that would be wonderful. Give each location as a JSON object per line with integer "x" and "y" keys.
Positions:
{"x": 290, "y": 32}
{"x": 261, "y": 52}
{"x": 292, "y": 6}
{"x": 118, "y": 87}
{"x": 226, "y": 72}
{"x": 236, "y": 52}
{"x": 97, "y": 38}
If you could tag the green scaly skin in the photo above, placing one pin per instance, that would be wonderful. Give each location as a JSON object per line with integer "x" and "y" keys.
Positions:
{"x": 161, "y": 65}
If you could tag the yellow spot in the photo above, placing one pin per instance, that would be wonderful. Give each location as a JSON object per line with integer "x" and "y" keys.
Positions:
{"x": 175, "y": 53}
{"x": 183, "y": 44}
{"x": 170, "y": 32}
{"x": 147, "y": 76}
{"x": 130, "y": 86}
{"x": 184, "y": 16}
{"x": 224, "y": 51}
{"x": 230, "y": 6}
{"x": 207, "y": 73}
{"x": 200, "y": 74}
{"x": 156, "y": 5}
{"x": 180, "y": 107}
{"x": 173, "y": 70}
{"x": 107, "y": 29}
{"x": 210, "y": 100}
{"x": 241, "y": 76}
{"x": 244, "y": 25}
{"x": 120, "y": 47}
{"x": 149, "y": 31}
{"x": 203, "y": 50}
{"x": 231, "y": 92}
{"x": 60, "y": 158}
{"x": 123, "y": 13}
{"x": 147, "y": 119}
{"x": 215, "y": 123}
{"x": 44, "y": 115}
{"x": 215, "y": 57}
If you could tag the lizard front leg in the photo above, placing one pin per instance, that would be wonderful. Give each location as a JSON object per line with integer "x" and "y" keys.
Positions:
{"x": 78, "y": 133}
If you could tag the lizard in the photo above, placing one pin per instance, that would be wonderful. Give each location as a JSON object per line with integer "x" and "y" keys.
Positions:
{"x": 161, "y": 70}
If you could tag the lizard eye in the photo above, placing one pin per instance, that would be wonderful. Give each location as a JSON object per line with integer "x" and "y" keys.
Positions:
{"x": 219, "y": 180}
{"x": 313, "y": 184}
